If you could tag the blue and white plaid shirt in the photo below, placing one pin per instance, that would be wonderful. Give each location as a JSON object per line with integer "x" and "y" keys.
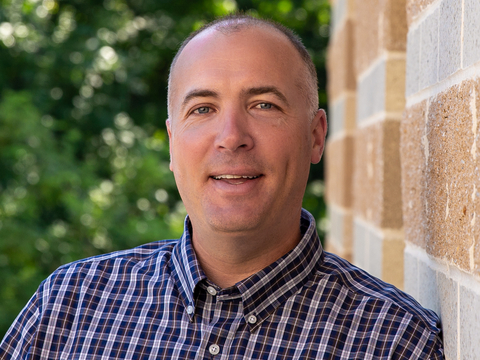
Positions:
{"x": 155, "y": 302}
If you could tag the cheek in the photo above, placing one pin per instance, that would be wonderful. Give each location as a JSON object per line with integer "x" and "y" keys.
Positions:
{"x": 189, "y": 148}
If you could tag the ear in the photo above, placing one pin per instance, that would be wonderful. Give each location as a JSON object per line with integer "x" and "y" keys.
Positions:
{"x": 319, "y": 131}
{"x": 169, "y": 131}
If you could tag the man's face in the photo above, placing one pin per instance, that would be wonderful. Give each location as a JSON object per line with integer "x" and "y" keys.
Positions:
{"x": 241, "y": 133}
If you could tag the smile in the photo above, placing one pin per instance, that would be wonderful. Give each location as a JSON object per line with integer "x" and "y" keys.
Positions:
{"x": 220, "y": 177}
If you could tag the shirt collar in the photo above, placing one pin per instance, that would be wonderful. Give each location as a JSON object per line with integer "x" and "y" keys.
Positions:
{"x": 264, "y": 291}
{"x": 186, "y": 270}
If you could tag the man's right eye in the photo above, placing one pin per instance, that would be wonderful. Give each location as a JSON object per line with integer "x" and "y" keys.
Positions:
{"x": 202, "y": 110}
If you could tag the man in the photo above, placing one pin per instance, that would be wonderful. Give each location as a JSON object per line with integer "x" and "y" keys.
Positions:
{"x": 248, "y": 279}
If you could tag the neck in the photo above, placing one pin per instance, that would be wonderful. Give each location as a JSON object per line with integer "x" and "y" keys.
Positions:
{"x": 228, "y": 258}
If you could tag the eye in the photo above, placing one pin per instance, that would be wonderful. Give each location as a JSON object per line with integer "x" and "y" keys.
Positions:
{"x": 202, "y": 110}
{"x": 264, "y": 106}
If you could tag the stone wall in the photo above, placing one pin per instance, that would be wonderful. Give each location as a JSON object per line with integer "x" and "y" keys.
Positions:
{"x": 342, "y": 126}
{"x": 403, "y": 154}
{"x": 366, "y": 66}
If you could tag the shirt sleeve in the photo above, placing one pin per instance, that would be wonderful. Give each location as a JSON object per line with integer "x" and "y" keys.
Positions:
{"x": 420, "y": 342}
{"x": 19, "y": 338}
{"x": 437, "y": 348}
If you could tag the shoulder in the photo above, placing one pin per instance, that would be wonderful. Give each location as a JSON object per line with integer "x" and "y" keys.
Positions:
{"x": 138, "y": 254}
{"x": 144, "y": 260}
{"x": 82, "y": 287}
{"x": 87, "y": 282}
{"x": 361, "y": 284}
{"x": 381, "y": 308}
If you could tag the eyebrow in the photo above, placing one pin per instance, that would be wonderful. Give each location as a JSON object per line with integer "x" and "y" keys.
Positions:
{"x": 266, "y": 90}
{"x": 250, "y": 91}
{"x": 198, "y": 93}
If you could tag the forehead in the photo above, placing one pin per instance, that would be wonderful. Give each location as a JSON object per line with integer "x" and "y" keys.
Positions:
{"x": 251, "y": 54}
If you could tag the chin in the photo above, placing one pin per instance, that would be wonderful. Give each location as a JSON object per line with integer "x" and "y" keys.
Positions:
{"x": 235, "y": 222}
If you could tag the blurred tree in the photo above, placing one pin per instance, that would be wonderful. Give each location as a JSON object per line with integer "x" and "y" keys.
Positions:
{"x": 83, "y": 147}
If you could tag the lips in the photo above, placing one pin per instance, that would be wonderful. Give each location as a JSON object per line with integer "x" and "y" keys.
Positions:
{"x": 230, "y": 177}
{"x": 235, "y": 179}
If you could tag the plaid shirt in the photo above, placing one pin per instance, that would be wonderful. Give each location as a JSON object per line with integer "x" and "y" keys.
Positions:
{"x": 155, "y": 302}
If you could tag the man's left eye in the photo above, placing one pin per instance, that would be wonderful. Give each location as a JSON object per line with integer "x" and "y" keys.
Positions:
{"x": 202, "y": 110}
{"x": 264, "y": 106}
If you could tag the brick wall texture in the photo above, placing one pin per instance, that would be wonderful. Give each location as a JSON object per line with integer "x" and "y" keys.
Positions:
{"x": 403, "y": 152}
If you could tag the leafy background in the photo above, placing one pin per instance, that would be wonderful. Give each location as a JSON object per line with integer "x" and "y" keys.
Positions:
{"x": 83, "y": 145}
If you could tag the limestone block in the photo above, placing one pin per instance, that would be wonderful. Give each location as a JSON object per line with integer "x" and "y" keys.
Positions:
{"x": 337, "y": 223}
{"x": 429, "y": 51}
{"x": 394, "y": 26}
{"x": 469, "y": 322}
{"x": 341, "y": 117}
{"x": 341, "y": 232}
{"x": 340, "y": 62}
{"x": 330, "y": 245}
{"x": 375, "y": 256}
{"x": 367, "y": 247}
{"x": 410, "y": 271}
{"x": 475, "y": 196}
{"x": 428, "y": 287}
{"x": 391, "y": 216}
{"x": 367, "y": 21}
{"x": 336, "y": 116}
{"x": 347, "y": 236}
{"x": 368, "y": 173}
{"x": 339, "y": 12}
{"x": 471, "y": 33}
{"x": 395, "y": 85}
{"x": 392, "y": 261}
{"x": 448, "y": 292}
{"x": 415, "y": 8}
{"x": 413, "y": 61}
{"x": 380, "y": 252}
{"x": 450, "y": 35}
{"x": 371, "y": 92}
{"x": 339, "y": 170}
{"x": 350, "y": 120}
{"x": 414, "y": 153}
{"x": 376, "y": 178}
{"x": 453, "y": 295}
{"x": 450, "y": 175}
{"x": 334, "y": 68}
{"x": 379, "y": 25}
{"x": 360, "y": 244}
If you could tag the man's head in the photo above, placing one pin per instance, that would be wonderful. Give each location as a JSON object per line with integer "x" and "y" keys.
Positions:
{"x": 242, "y": 126}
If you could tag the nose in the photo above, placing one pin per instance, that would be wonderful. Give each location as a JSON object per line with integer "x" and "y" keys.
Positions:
{"x": 234, "y": 132}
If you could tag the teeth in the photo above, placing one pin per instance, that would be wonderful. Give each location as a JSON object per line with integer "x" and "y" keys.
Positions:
{"x": 219, "y": 177}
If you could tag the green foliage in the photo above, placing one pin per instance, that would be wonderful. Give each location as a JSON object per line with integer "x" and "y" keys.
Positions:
{"x": 83, "y": 147}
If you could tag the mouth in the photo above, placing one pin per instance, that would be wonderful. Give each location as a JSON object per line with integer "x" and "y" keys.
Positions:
{"x": 230, "y": 177}
{"x": 234, "y": 179}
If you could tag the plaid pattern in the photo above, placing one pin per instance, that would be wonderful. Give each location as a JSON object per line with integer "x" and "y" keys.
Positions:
{"x": 154, "y": 302}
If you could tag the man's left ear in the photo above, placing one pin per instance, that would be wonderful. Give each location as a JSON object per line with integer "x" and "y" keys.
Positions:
{"x": 319, "y": 131}
{"x": 169, "y": 131}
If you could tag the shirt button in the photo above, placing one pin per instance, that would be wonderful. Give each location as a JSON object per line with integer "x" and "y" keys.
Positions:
{"x": 214, "y": 349}
{"x": 211, "y": 290}
{"x": 189, "y": 309}
{"x": 252, "y": 319}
